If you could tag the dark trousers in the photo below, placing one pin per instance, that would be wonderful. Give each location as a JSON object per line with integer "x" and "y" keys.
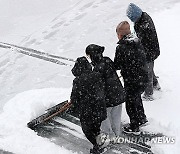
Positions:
{"x": 152, "y": 80}
{"x": 91, "y": 130}
{"x": 134, "y": 106}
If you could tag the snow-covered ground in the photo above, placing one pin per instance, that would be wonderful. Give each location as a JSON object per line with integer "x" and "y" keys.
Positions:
{"x": 165, "y": 110}
{"x": 14, "y": 134}
{"x": 29, "y": 86}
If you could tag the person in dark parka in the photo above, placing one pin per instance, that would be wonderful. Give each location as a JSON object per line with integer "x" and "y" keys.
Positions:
{"x": 114, "y": 91}
{"x": 130, "y": 59}
{"x": 88, "y": 96}
{"x": 146, "y": 32}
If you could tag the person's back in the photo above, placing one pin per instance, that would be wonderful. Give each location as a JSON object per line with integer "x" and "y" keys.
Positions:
{"x": 146, "y": 32}
{"x": 114, "y": 91}
{"x": 88, "y": 95}
{"x": 113, "y": 88}
{"x": 88, "y": 98}
{"x": 131, "y": 59}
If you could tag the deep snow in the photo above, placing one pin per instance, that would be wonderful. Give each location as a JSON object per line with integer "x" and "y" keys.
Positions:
{"x": 68, "y": 34}
{"x": 14, "y": 134}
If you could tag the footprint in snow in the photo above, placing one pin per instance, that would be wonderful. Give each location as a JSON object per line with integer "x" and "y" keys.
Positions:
{"x": 80, "y": 16}
{"x": 51, "y": 34}
{"x": 58, "y": 24}
{"x": 86, "y": 6}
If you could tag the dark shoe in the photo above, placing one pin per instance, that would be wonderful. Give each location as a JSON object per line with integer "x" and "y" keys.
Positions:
{"x": 132, "y": 130}
{"x": 95, "y": 150}
{"x": 98, "y": 150}
{"x": 143, "y": 122}
{"x": 157, "y": 87}
{"x": 146, "y": 97}
{"x": 91, "y": 151}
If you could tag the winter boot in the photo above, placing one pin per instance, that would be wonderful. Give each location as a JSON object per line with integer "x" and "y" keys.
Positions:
{"x": 143, "y": 122}
{"x": 146, "y": 97}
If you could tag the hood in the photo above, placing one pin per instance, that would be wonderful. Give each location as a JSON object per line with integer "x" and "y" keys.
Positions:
{"x": 95, "y": 52}
{"x": 82, "y": 66}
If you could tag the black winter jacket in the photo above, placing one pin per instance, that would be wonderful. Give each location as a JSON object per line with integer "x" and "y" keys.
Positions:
{"x": 114, "y": 90}
{"x": 87, "y": 93}
{"x": 130, "y": 59}
{"x": 146, "y": 32}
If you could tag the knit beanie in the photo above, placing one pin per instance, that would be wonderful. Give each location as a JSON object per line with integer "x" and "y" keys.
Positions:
{"x": 133, "y": 12}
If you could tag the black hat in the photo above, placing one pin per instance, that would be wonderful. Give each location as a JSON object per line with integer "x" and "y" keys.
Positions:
{"x": 94, "y": 49}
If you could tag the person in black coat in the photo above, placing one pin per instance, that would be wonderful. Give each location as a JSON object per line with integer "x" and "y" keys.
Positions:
{"x": 146, "y": 32}
{"x": 88, "y": 97}
{"x": 114, "y": 91}
{"x": 131, "y": 59}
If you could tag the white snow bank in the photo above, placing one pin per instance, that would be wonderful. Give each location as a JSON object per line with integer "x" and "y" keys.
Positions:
{"x": 14, "y": 134}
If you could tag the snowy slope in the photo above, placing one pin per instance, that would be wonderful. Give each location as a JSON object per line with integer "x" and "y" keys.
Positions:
{"x": 65, "y": 28}
{"x": 86, "y": 22}
{"x": 18, "y": 73}
{"x": 20, "y": 19}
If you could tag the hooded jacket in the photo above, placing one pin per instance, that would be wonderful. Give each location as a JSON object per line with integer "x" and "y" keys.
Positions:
{"x": 114, "y": 91}
{"x": 87, "y": 93}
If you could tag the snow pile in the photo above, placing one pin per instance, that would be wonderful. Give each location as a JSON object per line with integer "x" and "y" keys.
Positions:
{"x": 14, "y": 134}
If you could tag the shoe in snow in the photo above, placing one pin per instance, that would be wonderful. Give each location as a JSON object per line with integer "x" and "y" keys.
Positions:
{"x": 95, "y": 151}
{"x": 157, "y": 87}
{"x": 143, "y": 122}
{"x": 147, "y": 97}
{"x": 131, "y": 130}
{"x": 98, "y": 150}
{"x": 103, "y": 140}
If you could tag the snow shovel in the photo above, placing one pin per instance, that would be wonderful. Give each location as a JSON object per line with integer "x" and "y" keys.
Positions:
{"x": 50, "y": 113}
